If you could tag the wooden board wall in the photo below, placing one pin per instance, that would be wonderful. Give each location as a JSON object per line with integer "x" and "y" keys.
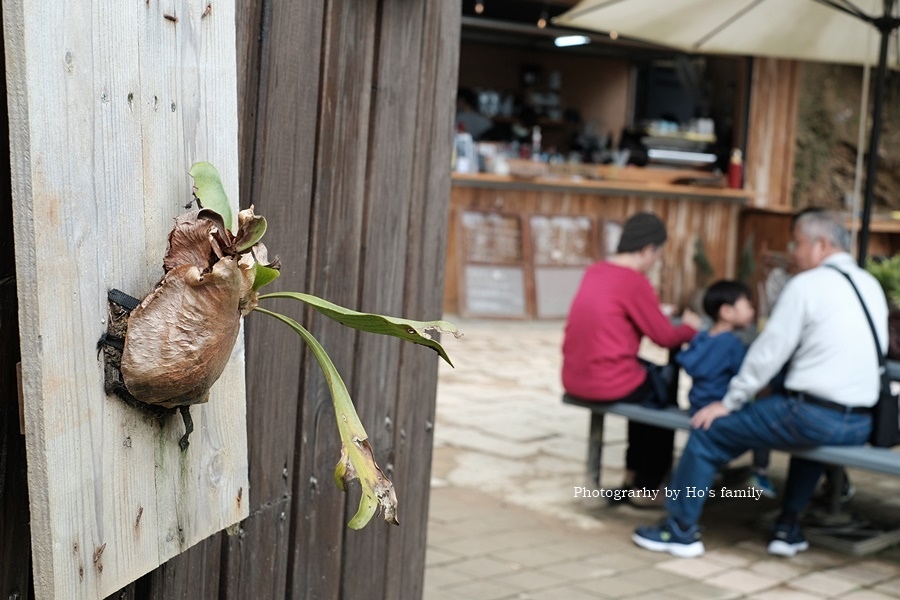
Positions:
{"x": 109, "y": 109}
{"x": 687, "y": 220}
{"x": 769, "y": 165}
{"x": 768, "y": 231}
{"x": 345, "y": 112}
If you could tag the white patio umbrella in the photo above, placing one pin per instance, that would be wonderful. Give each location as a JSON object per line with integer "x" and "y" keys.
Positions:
{"x": 836, "y": 31}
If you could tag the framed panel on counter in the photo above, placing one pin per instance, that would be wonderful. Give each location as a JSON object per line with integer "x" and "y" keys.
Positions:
{"x": 493, "y": 280}
{"x": 562, "y": 247}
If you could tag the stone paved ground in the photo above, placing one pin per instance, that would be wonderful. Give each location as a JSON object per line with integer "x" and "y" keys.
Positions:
{"x": 504, "y": 523}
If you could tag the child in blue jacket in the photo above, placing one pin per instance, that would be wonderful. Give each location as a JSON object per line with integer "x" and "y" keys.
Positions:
{"x": 715, "y": 356}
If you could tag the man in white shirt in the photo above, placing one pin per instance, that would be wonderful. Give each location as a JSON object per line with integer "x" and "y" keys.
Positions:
{"x": 819, "y": 330}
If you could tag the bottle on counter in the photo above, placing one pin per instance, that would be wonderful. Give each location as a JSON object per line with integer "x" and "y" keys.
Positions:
{"x": 736, "y": 170}
{"x": 536, "y": 143}
{"x": 466, "y": 158}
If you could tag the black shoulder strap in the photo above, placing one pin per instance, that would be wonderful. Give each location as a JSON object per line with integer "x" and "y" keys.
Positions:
{"x": 881, "y": 359}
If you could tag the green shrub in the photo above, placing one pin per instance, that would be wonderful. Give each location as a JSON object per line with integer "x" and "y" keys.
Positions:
{"x": 887, "y": 272}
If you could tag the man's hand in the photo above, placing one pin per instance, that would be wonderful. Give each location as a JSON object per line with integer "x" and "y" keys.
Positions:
{"x": 709, "y": 413}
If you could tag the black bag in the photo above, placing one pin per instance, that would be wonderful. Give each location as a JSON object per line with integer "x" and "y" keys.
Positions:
{"x": 886, "y": 413}
{"x": 663, "y": 382}
{"x": 886, "y": 418}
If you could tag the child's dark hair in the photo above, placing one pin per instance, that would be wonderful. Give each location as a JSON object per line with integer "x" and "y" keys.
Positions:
{"x": 724, "y": 292}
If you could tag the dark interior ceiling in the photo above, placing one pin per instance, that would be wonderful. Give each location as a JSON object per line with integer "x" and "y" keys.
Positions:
{"x": 521, "y": 11}
{"x": 515, "y": 23}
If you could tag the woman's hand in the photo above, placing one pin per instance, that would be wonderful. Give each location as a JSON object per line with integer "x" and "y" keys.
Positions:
{"x": 689, "y": 317}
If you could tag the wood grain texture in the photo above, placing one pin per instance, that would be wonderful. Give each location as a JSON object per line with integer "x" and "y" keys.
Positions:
{"x": 280, "y": 180}
{"x": 337, "y": 227}
{"x": 771, "y": 141}
{"x": 168, "y": 583}
{"x": 388, "y": 196}
{"x": 110, "y": 107}
{"x": 15, "y": 534}
{"x": 423, "y": 293}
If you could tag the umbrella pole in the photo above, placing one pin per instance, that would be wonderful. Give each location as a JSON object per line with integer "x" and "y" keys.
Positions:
{"x": 885, "y": 26}
{"x": 860, "y": 155}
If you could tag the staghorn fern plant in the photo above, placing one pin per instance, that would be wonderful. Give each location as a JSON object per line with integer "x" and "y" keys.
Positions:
{"x": 176, "y": 342}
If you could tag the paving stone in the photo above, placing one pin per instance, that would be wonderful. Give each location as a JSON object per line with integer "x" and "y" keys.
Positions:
{"x": 531, "y": 580}
{"x": 482, "y": 590}
{"x": 821, "y": 583}
{"x": 435, "y": 594}
{"x": 563, "y": 593}
{"x": 693, "y": 568}
{"x": 702, "y": 591}
{"x": 579, "y": 570}
{"x": 634, "y": 559}
{"x": 783, "y": 593}
{"x": 729, "y": 558}
{"x": 818, "y": 559}
{"x": 866, "y": 573}
{"x": 866, "y": 595}
{"x": 890, "y": 587}
{"x": 439, "y": 578}
{"x": 483, "y": 567}
{"x": 634, "y": 583}
{"x": 530, "y": 556}
{"x": 435, "y": 557}
{"x": 779, "y": 570}
{"x": 742, "y": 580}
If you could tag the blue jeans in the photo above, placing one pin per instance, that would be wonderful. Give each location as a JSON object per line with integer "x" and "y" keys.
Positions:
{"x": 777, "y": 422}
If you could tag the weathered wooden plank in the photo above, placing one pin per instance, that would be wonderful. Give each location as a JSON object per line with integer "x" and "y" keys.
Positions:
{"x": 15, "y": 534}
{"x": 281, "y": 181}
{"x": 388, "y": 195}
{"x": 426, "y": 249}
{"x": 168, "y": 582}
{"x": 282, "y": 175}
{"x": 252, "y": 26}
{"x": 109, "y": 109}
{"x": 181, "y": 574}
{"x": 256, "y": 563}
{"x": 337, "y": 225}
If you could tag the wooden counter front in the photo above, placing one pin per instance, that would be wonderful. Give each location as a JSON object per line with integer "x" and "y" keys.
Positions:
{"x": 541, "y": 265}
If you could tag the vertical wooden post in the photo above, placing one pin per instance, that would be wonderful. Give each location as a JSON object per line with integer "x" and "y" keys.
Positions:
{"x": 771, "y": 139}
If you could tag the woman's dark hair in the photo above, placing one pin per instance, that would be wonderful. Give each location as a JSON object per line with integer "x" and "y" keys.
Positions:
{"x": 724, "y": 292}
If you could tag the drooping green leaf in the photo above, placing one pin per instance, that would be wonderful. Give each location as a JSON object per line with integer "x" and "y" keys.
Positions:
{"x": 211, "y": 194}
{"x": 405, "y": 329}
{"x": 263, "y": 275}
{"x": 357, "y": 459}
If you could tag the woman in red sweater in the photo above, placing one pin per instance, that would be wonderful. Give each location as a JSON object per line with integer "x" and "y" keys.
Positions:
{"x": 616, "y": 306}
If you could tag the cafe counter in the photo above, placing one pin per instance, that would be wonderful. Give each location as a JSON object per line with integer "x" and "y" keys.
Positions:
{"x": 517, "y": 246}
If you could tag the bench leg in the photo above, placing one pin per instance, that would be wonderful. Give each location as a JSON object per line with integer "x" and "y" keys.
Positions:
{"x": 595, "y": 449}
{"x": 837, "y": 488}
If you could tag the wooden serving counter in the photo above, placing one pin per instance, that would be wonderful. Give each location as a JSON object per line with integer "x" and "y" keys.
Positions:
{"x": 517, "y": 247}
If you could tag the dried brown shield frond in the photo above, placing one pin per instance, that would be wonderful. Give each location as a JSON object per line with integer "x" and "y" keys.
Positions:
{"x": 180, "y": 337}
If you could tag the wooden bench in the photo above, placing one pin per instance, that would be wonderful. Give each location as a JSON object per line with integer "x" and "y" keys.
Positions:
{"x": 879, "y": 460}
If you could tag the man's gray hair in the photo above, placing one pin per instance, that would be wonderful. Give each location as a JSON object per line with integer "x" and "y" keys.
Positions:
{"x": 821, "y": 224}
